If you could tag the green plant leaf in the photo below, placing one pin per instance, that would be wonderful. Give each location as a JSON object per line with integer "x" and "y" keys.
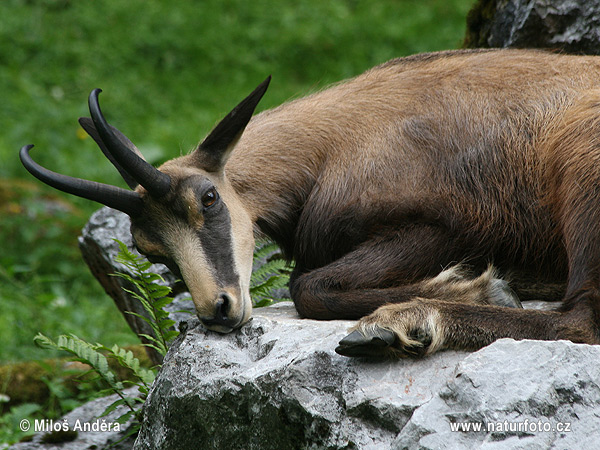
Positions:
{"x": 273, "y": 274}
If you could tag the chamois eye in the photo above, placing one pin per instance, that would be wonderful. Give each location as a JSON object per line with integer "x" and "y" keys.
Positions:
{"x": 209, "y": 198}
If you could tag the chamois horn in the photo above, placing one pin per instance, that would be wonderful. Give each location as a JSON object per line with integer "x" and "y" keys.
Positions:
{"x": 126, "y": 201}
{"x": 155, "y": 182}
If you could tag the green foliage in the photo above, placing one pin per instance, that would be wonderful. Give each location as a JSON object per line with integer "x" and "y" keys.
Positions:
{"x": 274, "y": 274}
{"x": 10, "y": 431}
{"x": 45, "y": 286}
{"x": 186, "y": 64}
{"x": 64, "y": 394}
{"x": 39, "y": 390}
{"x": 91, "y": 354}
{"x": 153, "y": 296}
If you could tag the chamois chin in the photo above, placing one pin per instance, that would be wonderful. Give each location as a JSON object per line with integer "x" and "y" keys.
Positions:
{"x": 403, "y": 195}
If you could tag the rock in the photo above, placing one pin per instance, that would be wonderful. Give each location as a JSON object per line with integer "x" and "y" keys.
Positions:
{"x": 278, "y": 384}
{"x": 79, "y": 438}
{"x": 531, "y": 394}
{"x": 566, "y": 25}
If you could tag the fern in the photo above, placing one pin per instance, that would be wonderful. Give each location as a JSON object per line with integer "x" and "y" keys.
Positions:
{"x": 265, "y": 250}
{"x": 153, "y": 296}
{"x": 91, "y": 355}
{"x": 272, "y": 275}
{"x": 127, "y": 360}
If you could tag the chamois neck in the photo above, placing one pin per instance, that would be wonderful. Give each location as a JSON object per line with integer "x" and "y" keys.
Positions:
{"x": 275, "y": 167}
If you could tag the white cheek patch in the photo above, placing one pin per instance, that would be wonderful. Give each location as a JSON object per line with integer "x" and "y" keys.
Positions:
{"x": 243, "y": 249}
{"x": 196, "y": 271}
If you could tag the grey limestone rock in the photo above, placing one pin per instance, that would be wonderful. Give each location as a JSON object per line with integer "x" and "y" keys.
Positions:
{"x": 278, "y": 384}
{"x": 523, "y": 394}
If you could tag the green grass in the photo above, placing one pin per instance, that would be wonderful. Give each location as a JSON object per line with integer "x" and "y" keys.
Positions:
{"x": 169, "y": 71}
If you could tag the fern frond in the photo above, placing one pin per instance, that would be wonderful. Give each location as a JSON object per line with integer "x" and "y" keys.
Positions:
{"x": 152, "y": 295}
{"x": 272, "y": 274}
{"x": 128, "y": 360}
{"x": 270, "y": 268}
{"x": 90, "y": 355}
{"x": 265, "y": 250}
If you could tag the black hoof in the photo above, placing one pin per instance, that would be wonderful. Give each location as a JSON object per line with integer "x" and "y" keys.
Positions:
{"x": 357, "y": 344}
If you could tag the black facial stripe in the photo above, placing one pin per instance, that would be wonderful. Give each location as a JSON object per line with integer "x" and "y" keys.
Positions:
{"x": 217, "y": 242}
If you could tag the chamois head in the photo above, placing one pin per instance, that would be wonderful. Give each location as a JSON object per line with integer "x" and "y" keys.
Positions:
{"x": 184, "y": 214}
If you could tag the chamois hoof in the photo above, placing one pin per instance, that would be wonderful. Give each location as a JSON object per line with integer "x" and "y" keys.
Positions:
{"x": 377, "y": 343}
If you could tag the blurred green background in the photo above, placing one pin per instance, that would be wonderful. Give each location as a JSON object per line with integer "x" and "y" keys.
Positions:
{"x": 169, "y": 71}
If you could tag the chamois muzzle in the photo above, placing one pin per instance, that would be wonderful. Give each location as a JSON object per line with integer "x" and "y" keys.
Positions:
{"x": 221, "y": 321}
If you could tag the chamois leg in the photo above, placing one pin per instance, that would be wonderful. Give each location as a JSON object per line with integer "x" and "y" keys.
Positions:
{"x": 571, "y": 157}
{"x": 423, "y": 326}
{"x": 393, "y": 270}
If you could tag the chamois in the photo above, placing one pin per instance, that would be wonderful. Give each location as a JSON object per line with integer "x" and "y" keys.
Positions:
{"x": 403, "y": 195}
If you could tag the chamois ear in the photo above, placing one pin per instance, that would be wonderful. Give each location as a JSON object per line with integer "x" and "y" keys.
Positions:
{"x": 88, "y": 125}
{"x": 215, "y": 149}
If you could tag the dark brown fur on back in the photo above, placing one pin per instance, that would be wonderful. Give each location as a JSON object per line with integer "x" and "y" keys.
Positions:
{"x": 453, "y": 144}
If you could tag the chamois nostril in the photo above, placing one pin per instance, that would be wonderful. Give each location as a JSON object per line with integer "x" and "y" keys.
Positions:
{"x": 222, "y": 308}
{"x": 221, "y": 320}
